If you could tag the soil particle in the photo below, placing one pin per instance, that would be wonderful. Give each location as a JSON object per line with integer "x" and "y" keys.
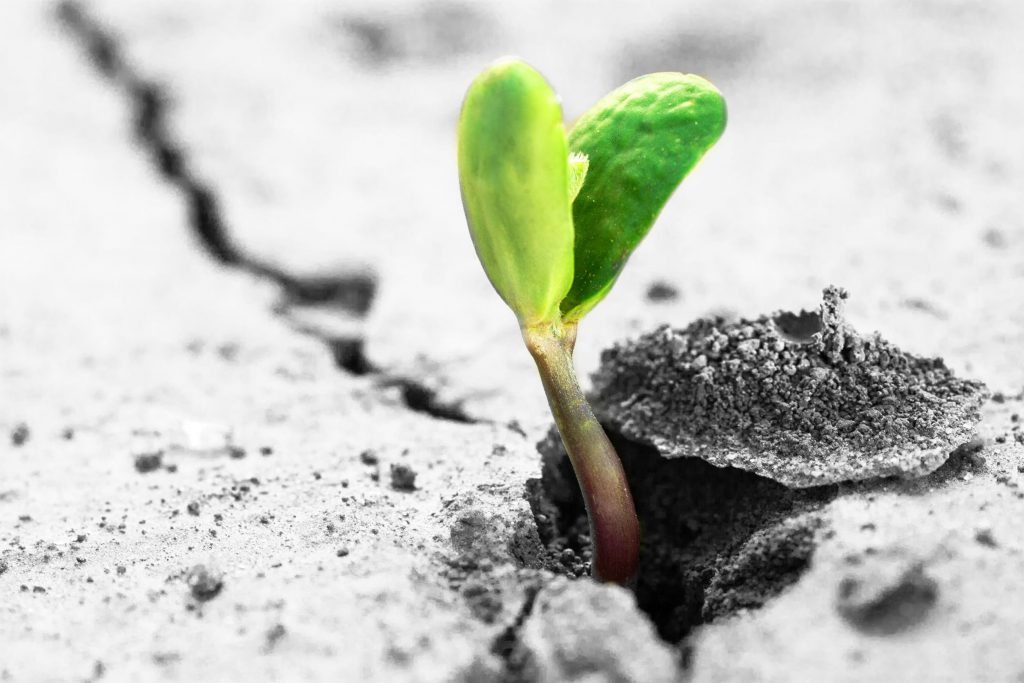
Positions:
{"x": 801, "y": 398}
{"x": 274, "y": 634}
{"x": 660, "y": 291}
{"x": 985, "y": 538}
{"x": 193, "y": 508}
{"x": 20, "y": 434}
{"x": 148, "y": 462}
{"x": 166, "y": 658}
{"x": 3, "y": 567}
{"x": 369, "y": 457}
{"x": 886, "y": 595}
{"x": 205, "y": 583}
{"x": 403, "y": 477}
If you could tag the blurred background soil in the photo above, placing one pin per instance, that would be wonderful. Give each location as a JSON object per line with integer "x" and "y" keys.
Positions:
{"x": 263, "y": 417}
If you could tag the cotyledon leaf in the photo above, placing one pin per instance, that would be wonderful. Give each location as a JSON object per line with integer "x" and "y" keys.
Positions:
{"x": 514, "y": 175}
{"x": 641, "y": 139}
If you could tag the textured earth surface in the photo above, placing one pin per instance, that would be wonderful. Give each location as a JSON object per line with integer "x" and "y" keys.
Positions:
{"x": 263, "y": 418}
{"x": 801, "y": 398}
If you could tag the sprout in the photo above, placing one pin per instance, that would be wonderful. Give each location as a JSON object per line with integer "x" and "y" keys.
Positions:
{"x": 554, "y": 217}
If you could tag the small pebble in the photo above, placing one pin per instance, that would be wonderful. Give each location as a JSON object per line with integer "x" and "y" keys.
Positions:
{"x": 148, "y": 462}
{"x": 20, "y": 434}
{"x": 276, "y": 633}
{"x": 985, "y": 538}
{"x": 403, "y": 477}
{"x": 204, "y": 583}
{"x": 661, "y": 291}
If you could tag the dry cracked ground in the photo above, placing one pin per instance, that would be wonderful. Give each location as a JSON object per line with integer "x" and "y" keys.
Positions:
{"x": 263, "y": 418}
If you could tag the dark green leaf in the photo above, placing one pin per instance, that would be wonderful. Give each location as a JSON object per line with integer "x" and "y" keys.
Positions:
{"x": 642, "y": 140}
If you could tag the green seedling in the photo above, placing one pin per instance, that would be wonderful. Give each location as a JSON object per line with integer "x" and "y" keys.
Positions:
{"x": 555, "y": 216}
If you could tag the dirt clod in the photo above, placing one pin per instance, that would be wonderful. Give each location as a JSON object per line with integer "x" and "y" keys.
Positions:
{"x": 801, "y": 398}
{"x": 584, "y": 631}
{"x": 20, "y": 434}
{"x": 148, "y": 462}
{"x": 660, "y": 291}
{"x": 403, "y": 477}
{"x": 274, "y": 634}
{"x": 985, "y": 538}
{"x": 205, "y": 583}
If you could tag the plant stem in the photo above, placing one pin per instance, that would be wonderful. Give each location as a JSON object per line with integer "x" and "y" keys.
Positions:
{"x": 614, "y": 529}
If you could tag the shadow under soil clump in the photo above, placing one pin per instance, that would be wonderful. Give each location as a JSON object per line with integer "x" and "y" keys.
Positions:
{"x": 715, "y": 539}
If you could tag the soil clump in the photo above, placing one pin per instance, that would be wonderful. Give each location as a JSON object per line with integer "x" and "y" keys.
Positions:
{"x": 801, "y": 398}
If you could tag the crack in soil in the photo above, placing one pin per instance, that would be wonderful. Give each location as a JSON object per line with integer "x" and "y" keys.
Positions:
{"x": 508, "y": 647}
{"x": 715, "y": 540}
{"x": 422, "y": 399}
{"x": 350, "y": 293}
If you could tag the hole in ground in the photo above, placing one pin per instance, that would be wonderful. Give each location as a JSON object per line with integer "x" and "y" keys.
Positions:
{"x": 715, "y": 540}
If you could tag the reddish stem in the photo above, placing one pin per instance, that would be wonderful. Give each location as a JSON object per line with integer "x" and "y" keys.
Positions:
{"x": 614, "y": 529}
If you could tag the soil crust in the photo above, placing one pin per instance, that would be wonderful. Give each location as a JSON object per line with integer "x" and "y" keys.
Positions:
{"x": 801, "y": 398}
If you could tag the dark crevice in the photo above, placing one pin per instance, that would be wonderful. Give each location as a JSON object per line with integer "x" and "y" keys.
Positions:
{"x": 422, "y": 399}
{"x": 350, "y": 355}
{"x": 715, "y": 540}
{"x": 350, "y": 293}
{"x": 150, "y": 104}
{"x": 507, "y": 645}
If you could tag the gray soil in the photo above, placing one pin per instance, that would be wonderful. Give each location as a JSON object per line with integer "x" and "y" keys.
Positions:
{"x": 800, "y": 398}
{"x": 264, "y": 419}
